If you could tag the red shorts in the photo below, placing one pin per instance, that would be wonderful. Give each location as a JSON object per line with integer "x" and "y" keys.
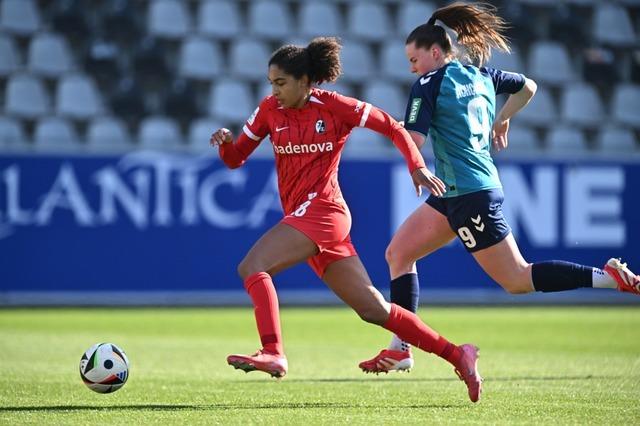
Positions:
{"x": 327, "y": 224}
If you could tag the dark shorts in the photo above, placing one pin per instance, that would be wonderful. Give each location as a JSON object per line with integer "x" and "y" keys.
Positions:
{"x": 476, "y": 218}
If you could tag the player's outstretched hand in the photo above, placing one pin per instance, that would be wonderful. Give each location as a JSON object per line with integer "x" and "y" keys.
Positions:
{"x": 221, "y": 136}
{"x": 499, "y": 134}
{"x": 424, "y": 178}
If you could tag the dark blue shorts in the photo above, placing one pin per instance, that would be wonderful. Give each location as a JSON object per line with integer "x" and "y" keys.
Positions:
{"x": 476, "y": 218}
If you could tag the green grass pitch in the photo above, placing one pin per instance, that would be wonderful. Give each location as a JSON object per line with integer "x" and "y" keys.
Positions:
{"x": 551, "y": 365}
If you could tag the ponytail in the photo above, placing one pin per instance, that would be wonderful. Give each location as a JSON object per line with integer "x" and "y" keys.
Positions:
{"x": 477, "y": 26}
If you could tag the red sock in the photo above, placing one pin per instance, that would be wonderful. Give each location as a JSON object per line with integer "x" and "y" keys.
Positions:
{"x": 265, "y": 300}
{"x": 410, "y": 328}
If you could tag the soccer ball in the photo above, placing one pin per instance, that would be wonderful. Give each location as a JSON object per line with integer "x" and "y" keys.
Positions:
{"x": 104, "y": 368}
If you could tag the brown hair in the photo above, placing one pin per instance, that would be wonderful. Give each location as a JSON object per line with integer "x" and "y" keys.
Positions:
{"x": 320, "y": 60}
{"x": 478, "y": 28}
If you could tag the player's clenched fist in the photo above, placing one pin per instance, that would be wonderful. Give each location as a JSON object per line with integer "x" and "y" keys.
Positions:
{"x": 221, "y": 136}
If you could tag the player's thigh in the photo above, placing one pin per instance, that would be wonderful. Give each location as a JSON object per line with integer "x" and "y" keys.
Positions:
{"x": 504, "y": 263}
{"x": 279, "y": 248}
{"x": 350, "y": 282}
{"x": 423, "y": 232}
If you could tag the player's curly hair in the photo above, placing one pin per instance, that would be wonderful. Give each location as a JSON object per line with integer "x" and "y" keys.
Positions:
{"x": 478, "y": 28}
{"x": 320, "y": 60}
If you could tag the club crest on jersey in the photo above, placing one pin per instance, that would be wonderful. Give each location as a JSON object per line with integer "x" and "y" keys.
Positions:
{"x": 320, "y": 127}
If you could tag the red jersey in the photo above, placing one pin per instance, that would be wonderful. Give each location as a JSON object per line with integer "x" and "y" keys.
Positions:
{"x": 307, "y": 142}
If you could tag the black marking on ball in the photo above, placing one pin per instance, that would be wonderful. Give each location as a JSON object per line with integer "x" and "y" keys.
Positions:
{"x": 108, "y": 364}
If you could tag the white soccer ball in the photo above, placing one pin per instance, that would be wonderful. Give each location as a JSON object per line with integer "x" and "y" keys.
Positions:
{"x": 104, "y": 368}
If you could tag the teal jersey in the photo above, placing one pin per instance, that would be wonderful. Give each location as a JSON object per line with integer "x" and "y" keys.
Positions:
{"x": 455, "y": 105}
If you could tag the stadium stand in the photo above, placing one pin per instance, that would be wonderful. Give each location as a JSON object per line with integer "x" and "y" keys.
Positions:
{"x": 103, "y": 68}
{"x": 55, "y": 133}
{"x": 269, "y": 19}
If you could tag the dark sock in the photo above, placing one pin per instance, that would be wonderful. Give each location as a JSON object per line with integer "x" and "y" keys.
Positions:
{"x": 405, "y": 291}
{"x": 558, "y": 275}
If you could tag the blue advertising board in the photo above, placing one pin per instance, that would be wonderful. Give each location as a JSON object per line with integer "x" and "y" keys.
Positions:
{"x": 160, "y": 227}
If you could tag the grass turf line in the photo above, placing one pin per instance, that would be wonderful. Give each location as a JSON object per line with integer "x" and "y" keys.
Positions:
{"x": 551, "y": 364}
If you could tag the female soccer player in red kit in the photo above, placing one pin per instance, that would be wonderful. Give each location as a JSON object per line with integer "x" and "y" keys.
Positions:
{"x": 308, "y": 128}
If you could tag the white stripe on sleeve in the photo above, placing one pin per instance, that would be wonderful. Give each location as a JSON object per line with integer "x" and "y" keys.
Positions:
{"x": 365, "y": 115}
{"x": 249, "y": 133}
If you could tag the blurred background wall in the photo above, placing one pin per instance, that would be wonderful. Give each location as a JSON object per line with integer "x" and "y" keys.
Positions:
{"x": 110, "y": 194}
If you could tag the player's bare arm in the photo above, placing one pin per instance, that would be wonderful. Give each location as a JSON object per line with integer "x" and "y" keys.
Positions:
{"x": 514, "y": 103}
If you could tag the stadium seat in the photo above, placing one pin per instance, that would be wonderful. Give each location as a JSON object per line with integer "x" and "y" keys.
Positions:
{"x": 168, "y": 19}
{"x": 249, "y": 59}
{"x": 49, "y": 55}
{"x": 506, "y": 61}
{"x": 541, "y": 111}
{"x": 522, "y": 139}
{"x": 387, "y": 96}
{"x": 367, "y": 143}
{"x": 626, "y": 104}
{"x": 549, "y": 63}
{"x": 200, "y": 131}
{"x": 158, "y": 132}
{"x": 26, "y": 97}
{"x": 77, "y": 97}
{"x": 107, "y": 133}
{"x": 411, "y": 14}
{"x": 394, "y": 63}
{"x": 200, "y": 59}
{"x": 357, "y": 61}
{"x": 55, "y": 133}
{"x": 319, "y": 18}
{"x": 616, "y": 140}
{"x": 11, "y": 133}
{"x": 219, "y": 18}
{"x": 565, "y": 139}
{"x": 612, "y": 26}
{"x": 20, "y": 17}
{"x": 340, "y": 87}
{"x": 270, "y": 19}
{"x": 368, "y": 21}
{"x": 231, "y": 100}
{"x": 580, "y": 105}
{"x": 9, "y": 55}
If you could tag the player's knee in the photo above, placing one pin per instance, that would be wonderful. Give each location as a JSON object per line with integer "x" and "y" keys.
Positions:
{"x": 395, "y": 258}
{"x": 246, "y": 269}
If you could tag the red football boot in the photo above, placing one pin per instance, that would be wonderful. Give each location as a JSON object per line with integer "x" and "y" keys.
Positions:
{"x": 275, "y": 365}
{"x": 627, "y": 281}
{"x": 388, "y": 360}
{"x": 467, "y": 370}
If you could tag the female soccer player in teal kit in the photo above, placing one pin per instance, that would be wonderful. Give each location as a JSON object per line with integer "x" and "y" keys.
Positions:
{"x": 455, "y": 104}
